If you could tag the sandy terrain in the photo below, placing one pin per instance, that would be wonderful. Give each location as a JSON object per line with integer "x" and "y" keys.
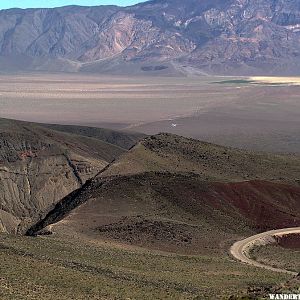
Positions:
{"x": 277, "y": 80}
{"x": 91, "y": 99}
{"x": 257, "y": 116}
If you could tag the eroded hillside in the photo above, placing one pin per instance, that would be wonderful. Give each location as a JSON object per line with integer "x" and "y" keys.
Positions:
{"x": 157, "y": 223}
{"x": 39, "y": 166}
{"x": 231, "y": 36}
{"x": 182, "y": 195}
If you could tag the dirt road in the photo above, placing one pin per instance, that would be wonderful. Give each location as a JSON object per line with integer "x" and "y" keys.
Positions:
{"x": 240, "y": 250}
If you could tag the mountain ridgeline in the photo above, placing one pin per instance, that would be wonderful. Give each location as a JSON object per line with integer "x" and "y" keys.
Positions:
{"x": 173, "y": 193}
{"x": 39, "y": 166}
{"x": 159, "y": 36}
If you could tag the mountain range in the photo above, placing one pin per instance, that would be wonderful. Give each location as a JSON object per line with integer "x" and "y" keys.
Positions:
{"x": 94, "y": 213}
{"x": 158, "y": 36}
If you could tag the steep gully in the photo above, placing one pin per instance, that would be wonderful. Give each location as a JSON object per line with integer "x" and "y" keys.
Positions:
{"x": 67, "y": 204}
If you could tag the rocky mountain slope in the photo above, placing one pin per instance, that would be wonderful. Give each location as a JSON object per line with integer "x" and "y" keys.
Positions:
{"x": 228, "y": 36}
{"x": 118, "y": 138}
{"x": 187, "y": 199}
{"x": 182, "y": 195}
{"x": 39, "y": 166}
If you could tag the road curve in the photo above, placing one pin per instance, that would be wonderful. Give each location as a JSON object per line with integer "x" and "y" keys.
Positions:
{"x": 240, "y": 250}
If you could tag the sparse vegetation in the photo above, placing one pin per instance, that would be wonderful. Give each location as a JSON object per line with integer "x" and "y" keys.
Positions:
{"x": 156, "y": 224}
{"x": 270, "y": 81}
{"x": 278, "y": 257}
{"x": 171, "y": 200}
{"x": 163, "y": 204}
{"x": 61, "y": 267}
{"x": 167, "y": 152}
{"x": 236, "y": 81}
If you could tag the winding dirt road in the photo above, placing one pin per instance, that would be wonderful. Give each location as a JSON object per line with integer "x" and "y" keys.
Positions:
{"x": 240, "y": 250}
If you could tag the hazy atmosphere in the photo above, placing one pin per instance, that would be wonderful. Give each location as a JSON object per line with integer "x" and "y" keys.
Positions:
{"x": 150, "y": 151}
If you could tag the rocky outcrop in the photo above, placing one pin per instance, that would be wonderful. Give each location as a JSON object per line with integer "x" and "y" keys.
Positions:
{"x": 167, "y": 177}
{"x": 32, "y": 185}
{"x": 38, "y": 167}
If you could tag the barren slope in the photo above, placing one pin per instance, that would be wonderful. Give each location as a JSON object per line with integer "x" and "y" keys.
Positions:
{"x": 156, "y": 37}
{"x": 172, "y": 153}
{"x": 39, "y": 166}
{"x": 182, "y": 195}
{"x": 120, "y": 139}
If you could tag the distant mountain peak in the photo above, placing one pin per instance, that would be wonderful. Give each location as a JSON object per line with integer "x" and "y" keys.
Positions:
{"x": 216, "y": 36}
